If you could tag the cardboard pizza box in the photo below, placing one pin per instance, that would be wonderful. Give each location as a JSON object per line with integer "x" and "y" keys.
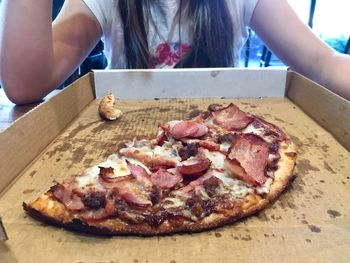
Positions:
{"x": 310, "y": 222}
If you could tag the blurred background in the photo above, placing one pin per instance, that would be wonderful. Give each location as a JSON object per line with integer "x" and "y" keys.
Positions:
{"x": 330, "y": 20}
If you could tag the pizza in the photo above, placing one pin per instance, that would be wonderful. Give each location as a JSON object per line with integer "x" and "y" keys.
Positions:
{"x": 197, "y": 174}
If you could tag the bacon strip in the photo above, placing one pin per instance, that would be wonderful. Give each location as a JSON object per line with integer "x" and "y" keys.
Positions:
{"x": 248, "y": 158}
{"x": 231, "y": 118}
{"x": 165, "y": 179}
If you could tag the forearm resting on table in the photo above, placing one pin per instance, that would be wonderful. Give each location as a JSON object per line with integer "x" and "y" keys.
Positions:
{"x": 336, "y": 74}
{"x": 26, "y": 49}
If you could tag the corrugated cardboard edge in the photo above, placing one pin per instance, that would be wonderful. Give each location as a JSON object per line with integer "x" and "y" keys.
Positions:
{"x": 20, "y": 145}
{"x": 3, "y": 234}
{"x": 325, "y": 107}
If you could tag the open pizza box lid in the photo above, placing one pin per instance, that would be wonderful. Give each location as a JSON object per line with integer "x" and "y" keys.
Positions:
{"x": 61, "y": 137}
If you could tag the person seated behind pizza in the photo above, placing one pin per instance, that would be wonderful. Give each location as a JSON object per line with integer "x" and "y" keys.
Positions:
{"x": 36, "y": 57}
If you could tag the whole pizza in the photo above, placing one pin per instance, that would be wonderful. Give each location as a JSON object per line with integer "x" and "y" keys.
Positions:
{"x": 197, "y": 174}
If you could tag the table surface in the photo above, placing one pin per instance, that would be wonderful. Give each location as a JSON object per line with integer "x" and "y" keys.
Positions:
{"x": 9, "y": 112}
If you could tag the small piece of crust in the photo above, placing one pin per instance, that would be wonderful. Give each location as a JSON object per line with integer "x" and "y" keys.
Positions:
{"x": 107, "y": 110}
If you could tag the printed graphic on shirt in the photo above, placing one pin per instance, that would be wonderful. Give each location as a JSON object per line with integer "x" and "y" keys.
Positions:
{"x": 167, "y": 55}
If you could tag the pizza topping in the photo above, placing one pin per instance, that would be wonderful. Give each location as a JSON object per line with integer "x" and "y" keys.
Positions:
{"x": 140, "y": 174}
{"x": 165, "y": 179}
{"x": 214, "y": 107}
{"x": 161, "y": 137}
{"x": 155, "y": 195}
{"x": 187, "y": 129}
{"x": 153, "y": 157}
{"x": 265, "y": 188}
{"x": 225, "y": 138}
{"x": 196, "y": 205}
{"x": 231, "y": 118}
{"x": 101, "y": 213}
{"x": 89, "y": 180}
{"x": 274, "y": 147}
{"x": 211, "y": 185}
{"x": 269, "y": 132}
{"x": 207, "y": 143}
{"x": 106, "y": 173}
{"x": 229, "y": 186}
{"x": 217, "y": 158}
{"x": 114, "y": 168}
{"x": 193, "y": 166}
{"x": 67, "y": 197}
{"x": 157, "y": 218}
{"x": 184, "y": 191}
{"x": 248, "y": 158}
{"x": 187, "y": 151}
{"x": 132, "y": 192}
{"x": 95, "y": 200}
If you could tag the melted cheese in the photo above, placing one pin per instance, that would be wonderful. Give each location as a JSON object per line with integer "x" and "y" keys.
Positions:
{"x": 173, "y": 202}
{"x": 232, "y": 186}
{"x": 209, "y": 121}
{"x": 258, "y": 131}
{"x": 90, "y": 177}
{"x": 217, "y": 159}
{"x": 120, "y": 167}
{"x": 133, "y": 161}
{"x": 251, "y": 129}
{"x": 225, "y": 146}
{"x": 265, "y": 188}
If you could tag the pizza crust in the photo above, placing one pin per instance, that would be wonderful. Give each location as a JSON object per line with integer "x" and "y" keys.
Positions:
{"x": 107, "y": 110}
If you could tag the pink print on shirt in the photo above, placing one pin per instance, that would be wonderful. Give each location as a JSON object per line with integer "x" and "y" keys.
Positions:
{"x": 167, "y": 55}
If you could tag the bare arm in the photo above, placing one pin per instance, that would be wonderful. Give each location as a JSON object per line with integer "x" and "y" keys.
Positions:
{"x": 35, "y": 55}
{"x": 296, "y": 45}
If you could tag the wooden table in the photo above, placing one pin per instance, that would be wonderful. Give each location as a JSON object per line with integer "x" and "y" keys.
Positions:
{"x": 9, "y": 112}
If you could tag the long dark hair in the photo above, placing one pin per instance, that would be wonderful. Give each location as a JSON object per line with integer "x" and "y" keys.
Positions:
{"x": 212, "y": 28}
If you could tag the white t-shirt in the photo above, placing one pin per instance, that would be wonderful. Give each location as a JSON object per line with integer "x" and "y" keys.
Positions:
{"x": 164, "y": 45}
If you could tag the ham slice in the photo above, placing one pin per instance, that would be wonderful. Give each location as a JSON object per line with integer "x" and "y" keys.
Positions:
{"x": 193, "y": 166}
{"x": 131, "y": 188}
{"x": 101, "y": 213}
{"x": 150, "y": 157}
{"x": 140, "y": 174}
{"x": 165, "y": 179}
{"x": 187, "y": 129}
{"x": 231, "y": 118}
{"x": 64, "y": 193}
{"x": 140, "y": 154}
{"x": 198, "y": 182}
{"x": 248, "y": 158}
{"x": 132, "y": 192}
{"x": 207, "y": 143}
